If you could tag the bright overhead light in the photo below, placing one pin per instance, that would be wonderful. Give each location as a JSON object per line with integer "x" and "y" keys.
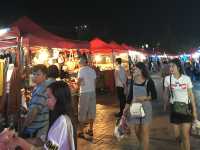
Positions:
{"x": 98, "y": 58}
{"x": 3, "y": 31}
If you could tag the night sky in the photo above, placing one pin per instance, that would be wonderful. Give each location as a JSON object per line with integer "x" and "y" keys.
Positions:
{"x": 173, "y": 25}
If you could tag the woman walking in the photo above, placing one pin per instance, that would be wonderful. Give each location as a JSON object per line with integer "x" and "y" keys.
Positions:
{"x": 60, "y": 134}
{"x": 142, "y": 90}
{"x": 182, "y": 103}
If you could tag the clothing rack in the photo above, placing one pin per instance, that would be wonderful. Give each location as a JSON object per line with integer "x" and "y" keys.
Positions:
{"x": 10, "y": 89}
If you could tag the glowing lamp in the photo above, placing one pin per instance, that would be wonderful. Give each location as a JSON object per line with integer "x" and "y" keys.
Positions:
{"x": 98, "y": 58}
{"x": 4, "y": 31}
{"x": 43, "y": 56}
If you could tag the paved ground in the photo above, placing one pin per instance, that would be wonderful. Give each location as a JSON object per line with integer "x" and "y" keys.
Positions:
{"x": 161, "y": 133}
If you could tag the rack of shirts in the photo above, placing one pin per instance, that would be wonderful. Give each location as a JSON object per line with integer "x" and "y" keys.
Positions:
{"x": 9, "y": 55}
{"x": 10, "y": 85}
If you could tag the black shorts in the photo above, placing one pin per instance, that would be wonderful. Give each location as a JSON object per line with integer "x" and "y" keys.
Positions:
{"x": 179, "y": 118}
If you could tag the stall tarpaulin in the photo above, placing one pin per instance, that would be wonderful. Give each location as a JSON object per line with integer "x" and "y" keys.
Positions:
{"x": 127, "y": 47}
{"x": 40, "y": 37}
{"x": 12, "y": 33}
{"x": 9, "y": 39}
{"x": 99, "y": 46}
{"x": 82, "y": 44}
{"x": 9, "y": 42}
{"x": 117, "y": 48}
{"x": 45, "y": 42}
{"x": 7, "y": 45}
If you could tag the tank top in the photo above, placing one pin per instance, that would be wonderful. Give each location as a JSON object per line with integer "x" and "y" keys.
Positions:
{"x": 139, "y": 90}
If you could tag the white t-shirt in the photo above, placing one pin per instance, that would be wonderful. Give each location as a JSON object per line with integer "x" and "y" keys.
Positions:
{"x": 120, "y": 76}
{"x": 179, "y": 88}
{"x": 60, "y": 135}
{"x": 88, "y": 75}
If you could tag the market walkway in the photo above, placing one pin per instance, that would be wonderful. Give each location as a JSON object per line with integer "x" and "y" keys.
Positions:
{"x": 161, "y": 134}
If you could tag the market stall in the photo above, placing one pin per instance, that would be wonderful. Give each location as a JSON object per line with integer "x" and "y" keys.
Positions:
{"x": 120, "y": 52}
{"x": 137, "y": 56}
{"x": 47, "y": 48}
{"x": 103, "y": 57}
{"x": 11, "y": 63}
{"x": 101, "y": 54}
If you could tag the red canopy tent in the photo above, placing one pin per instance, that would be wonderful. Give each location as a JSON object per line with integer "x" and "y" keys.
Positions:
{"x": 40, "y": 37}
{"x": 126, "y": 46}
{"x": 117, "y": 48}
{"x": 99, "y": 46}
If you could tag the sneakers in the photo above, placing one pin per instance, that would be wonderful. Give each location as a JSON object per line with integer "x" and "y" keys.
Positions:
{"x": 86, "y": 137}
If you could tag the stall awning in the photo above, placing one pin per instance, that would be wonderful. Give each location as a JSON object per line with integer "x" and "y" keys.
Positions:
{"x": 117, "y": 48}
{"x": 9, "y": 38}
{"x": 99, "y": 46}
{"x": 41, "y": 37}
{"x": 127, "y": 47}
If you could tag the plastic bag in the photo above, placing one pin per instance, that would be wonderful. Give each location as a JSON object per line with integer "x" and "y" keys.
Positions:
{"x": 195, "y": 130}
{"x": 121, "y": 128}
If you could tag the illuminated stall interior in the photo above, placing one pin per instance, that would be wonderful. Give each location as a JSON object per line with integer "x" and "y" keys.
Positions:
{"x": 137, "y": 56}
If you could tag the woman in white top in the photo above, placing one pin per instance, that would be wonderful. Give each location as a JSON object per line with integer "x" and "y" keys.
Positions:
{"x": 60, "y": 134}
{"x": 179, "y": 88}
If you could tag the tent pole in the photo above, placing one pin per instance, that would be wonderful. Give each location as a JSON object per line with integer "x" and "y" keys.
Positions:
{"x": 113, "y": 59}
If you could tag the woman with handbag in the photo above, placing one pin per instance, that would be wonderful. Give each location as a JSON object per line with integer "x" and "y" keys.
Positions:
{"x": 182, "y": 103}
{"x": 142, "y": 90}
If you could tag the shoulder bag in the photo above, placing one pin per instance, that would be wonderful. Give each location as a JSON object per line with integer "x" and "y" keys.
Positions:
{"x": 136, "y": 108}
{"x": 180, "y": 107}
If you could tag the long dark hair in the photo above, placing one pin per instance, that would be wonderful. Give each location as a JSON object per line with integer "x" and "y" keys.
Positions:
{"x": 63, "y": 106}
{"x": 177, "y": 62}
{"x": 143, "y": 69}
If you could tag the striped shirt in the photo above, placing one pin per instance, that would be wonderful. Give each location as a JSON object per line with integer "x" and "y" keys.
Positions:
{"x": 39, "y": 100}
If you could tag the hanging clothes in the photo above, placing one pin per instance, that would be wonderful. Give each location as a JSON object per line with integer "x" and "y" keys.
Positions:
{"x": 2, "y": 63}
{"x": 14, "y": 97}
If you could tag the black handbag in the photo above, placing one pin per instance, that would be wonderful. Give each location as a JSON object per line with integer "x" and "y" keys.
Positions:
{"x": 180, "y": 107}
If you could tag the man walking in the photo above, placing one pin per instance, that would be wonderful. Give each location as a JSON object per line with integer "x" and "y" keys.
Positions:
{"x": 87, "y": 101}
{"x": 120, "y": 83}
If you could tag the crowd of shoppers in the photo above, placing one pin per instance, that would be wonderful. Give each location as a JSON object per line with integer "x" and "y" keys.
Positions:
{"x": 50, "y": 118}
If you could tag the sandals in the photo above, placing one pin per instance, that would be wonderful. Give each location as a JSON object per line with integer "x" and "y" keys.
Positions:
{"x": 81, "y": 135}
{"x": 89, "y": 132}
